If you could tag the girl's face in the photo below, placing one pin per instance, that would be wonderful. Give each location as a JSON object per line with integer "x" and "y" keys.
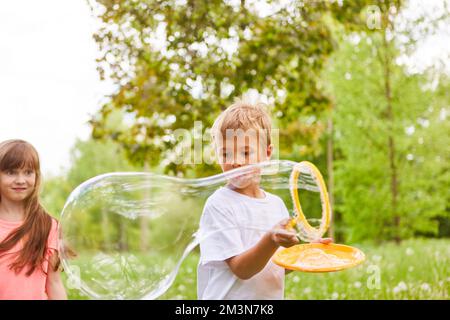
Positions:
{"x": 17, "y": 184}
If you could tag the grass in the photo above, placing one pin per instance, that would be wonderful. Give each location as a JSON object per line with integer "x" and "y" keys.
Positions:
{"x": 416, "y": 269}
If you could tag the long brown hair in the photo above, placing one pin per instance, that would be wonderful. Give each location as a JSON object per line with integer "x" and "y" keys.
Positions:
{"x": 18, "y": 154}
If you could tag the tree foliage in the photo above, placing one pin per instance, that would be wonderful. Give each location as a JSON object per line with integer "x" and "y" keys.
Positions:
{"x": 362, "y": 130}
{"x": 175, "y": 62}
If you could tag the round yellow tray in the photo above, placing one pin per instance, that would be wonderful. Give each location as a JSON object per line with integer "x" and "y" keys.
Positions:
{"x": 307, "y": 257}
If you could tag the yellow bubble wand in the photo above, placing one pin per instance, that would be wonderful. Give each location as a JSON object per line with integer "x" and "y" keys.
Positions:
{"x": 300, "y": 218}
{"x": 314, "y": 257}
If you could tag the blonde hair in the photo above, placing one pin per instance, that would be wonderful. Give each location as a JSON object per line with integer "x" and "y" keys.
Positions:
{"x": 243, "y": 115}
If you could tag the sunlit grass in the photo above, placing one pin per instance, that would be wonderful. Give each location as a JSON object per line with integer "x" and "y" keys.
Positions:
{"x": 416, "y": 269}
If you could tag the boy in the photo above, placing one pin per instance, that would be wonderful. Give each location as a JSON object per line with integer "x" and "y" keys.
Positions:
{"x": 235, "y": 263}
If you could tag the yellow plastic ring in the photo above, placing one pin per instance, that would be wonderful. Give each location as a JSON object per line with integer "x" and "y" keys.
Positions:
{"x": 311, "y": 232}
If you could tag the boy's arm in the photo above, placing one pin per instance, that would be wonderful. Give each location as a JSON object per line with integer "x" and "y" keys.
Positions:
{"x": 252, "y": 261}
{"x": 54, "y": 286}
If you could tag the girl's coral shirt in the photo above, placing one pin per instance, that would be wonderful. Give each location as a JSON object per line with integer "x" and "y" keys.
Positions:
{"x": 18, "y": 286}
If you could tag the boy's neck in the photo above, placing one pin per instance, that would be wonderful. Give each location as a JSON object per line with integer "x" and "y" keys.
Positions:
{"x": 252, "y": 191}
{"x": 11, "y": 211}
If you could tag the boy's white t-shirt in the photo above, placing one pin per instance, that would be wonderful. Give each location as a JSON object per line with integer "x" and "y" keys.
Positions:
{"x": 225, "y": 210}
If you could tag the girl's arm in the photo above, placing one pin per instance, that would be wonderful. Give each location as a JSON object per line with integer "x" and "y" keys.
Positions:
{"x": 54, "y": 285}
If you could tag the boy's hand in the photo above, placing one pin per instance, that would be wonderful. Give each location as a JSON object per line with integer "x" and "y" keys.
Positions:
{"x": 323, "y": 240}
{"x": 283, "y": 237}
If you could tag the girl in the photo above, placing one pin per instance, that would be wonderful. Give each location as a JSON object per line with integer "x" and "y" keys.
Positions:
{"x": 29, "y": 262}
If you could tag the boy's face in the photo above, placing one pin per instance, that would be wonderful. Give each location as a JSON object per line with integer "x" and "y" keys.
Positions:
{"x": 241, "y": 149}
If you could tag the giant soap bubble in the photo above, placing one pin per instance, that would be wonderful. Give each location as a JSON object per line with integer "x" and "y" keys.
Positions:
{"x": 125, "y": 235}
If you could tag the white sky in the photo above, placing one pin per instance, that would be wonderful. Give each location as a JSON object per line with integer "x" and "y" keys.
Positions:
{"x": 48, "y": 80}
{"x": 49, "y": 85}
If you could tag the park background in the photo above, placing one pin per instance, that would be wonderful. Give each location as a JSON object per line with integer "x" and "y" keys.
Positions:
{"x": 359, "y": 88}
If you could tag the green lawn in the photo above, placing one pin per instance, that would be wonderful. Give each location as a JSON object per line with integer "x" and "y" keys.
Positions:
{"x": 416, "y": 269}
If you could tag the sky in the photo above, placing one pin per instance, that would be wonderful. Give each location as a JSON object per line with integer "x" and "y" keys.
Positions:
{"x": 49, "y": 85}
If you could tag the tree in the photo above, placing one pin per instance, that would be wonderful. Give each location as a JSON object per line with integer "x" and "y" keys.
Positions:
{"x": 176, "y": 62}
{"x": 389, "y": 135}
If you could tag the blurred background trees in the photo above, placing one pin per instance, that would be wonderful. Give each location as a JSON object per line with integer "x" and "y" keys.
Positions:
{"x": 177, "y": 62}
{"x": 333, "y": 73}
